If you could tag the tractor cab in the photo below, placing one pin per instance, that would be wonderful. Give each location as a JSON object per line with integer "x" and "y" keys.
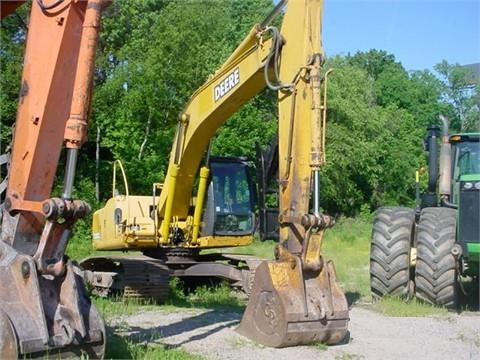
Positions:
{"x": 466, "y": 192}
{"x": 466, "y": 157}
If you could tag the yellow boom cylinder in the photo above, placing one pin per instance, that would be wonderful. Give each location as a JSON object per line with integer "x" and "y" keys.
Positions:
{"x": 197, "y": 215}
{"x": 174, "y": 169}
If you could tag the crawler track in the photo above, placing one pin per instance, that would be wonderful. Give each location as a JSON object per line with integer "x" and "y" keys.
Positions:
{"x": 139, "y": 277}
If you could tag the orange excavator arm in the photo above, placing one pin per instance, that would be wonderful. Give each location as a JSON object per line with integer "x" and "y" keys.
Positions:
{"x": 44, "y": 306}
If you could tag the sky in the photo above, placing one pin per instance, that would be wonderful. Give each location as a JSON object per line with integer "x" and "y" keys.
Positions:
{"x": 419, "y": 33}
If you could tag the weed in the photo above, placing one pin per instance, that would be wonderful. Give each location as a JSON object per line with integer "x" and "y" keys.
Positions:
{"x": 122, "y": 326}
{"x": 470, "y": 337}
{"x": 122, "y": 348}
{"x": 320, "y": 346}
{"x": 116, "y": 306}
{"x": 218, "y": 296}
{"x": 241, "y": 342}
{"x": 349, "y": 357}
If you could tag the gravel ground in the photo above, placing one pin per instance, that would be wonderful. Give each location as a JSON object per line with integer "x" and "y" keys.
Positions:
{"x": 211, "y": 334}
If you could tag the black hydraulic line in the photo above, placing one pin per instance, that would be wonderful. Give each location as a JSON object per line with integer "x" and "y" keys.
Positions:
{"x": 444, "y": 202}
{"x": 273, "y": 14}
{"x": 48, "y": 7}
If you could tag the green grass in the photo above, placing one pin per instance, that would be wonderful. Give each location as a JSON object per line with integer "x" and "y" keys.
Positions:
{"x": 411, "y": 307}
{"x": 320, "y": 346}
{"x": 218, "y": 297}
{"x": 116, "y": 306}
{"x": 347, "y": 244}
{"x": 119, "y": 347}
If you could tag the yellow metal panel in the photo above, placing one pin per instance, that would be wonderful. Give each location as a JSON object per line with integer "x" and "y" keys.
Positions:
{"x": 124, "y": 222}
{"x": 224, "y": 241}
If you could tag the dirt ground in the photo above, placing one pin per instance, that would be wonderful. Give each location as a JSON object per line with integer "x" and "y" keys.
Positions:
{"x": 211, "y": 334}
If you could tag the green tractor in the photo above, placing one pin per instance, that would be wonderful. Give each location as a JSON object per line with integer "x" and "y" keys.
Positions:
{"x": 433, "y": 251}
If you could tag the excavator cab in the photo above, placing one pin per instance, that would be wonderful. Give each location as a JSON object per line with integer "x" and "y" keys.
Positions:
{"x": 229, "y": 209}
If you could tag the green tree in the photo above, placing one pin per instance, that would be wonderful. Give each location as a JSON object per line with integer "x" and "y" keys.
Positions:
{"x": 418, "y": 92}
{"x": 372, "y": 147}
{"x": 12, "y": 40}
{"x": 461, "y": 91}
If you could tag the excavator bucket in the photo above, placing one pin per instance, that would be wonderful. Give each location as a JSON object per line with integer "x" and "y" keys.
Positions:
{"x": 42, "y": 316}
{"x": 289, "y": 306}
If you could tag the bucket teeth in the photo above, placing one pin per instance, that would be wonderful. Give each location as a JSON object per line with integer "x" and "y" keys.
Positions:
{"x": 288, "y": 307}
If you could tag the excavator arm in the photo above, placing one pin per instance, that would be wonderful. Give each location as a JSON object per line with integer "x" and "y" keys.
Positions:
{"x": 44, "y": 306}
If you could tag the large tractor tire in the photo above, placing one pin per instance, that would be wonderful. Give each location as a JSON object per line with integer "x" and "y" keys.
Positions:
{"x": 435, "y": 272}
{"x": 392, "y": 235}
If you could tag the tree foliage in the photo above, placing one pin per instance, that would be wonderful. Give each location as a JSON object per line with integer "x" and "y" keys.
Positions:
{"x": 366, "y": 143}
{"x": 12, "y": 38}
{"x": 153, "y": 54}
{"x": 461, "y": 91}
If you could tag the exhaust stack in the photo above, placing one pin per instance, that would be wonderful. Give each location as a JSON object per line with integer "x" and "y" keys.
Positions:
{"x": 445, "y": 182}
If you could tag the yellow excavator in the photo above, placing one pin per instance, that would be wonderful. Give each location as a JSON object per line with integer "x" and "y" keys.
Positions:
{"x": 206, "y": 203}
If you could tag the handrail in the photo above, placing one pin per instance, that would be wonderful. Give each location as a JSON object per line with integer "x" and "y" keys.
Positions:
{"x": 125, "y": 183}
